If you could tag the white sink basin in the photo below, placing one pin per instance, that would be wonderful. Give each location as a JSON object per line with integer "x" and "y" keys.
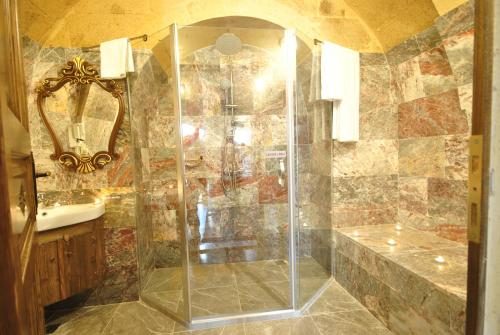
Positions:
{"x": 60, "y": 216}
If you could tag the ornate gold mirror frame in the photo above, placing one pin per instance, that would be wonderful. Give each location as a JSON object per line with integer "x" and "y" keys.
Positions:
{"x": 80, "y": 72}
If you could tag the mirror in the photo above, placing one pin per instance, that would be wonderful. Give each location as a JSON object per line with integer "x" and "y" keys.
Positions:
{"x": 83, "y": 114}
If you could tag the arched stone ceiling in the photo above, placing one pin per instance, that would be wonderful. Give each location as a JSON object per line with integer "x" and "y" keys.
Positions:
{"x": 364, "y": 25}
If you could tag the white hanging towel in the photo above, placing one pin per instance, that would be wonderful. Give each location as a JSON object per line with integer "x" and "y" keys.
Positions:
{"x": 332, "y": 65}
{"x": 116, "y": 58}
{"x": 340, "y": 83}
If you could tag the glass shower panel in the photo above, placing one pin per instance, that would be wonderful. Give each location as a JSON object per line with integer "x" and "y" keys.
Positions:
{"x": 233, "y": 120}
{"x": 161, "y": 235}
{"x": 313, "y": 154}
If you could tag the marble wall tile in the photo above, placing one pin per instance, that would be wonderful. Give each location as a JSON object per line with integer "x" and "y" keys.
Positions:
{"x": 375, "y": 86}
{"x": 457, "y": 157}
{"x": 270, "y": 191}
{"x": 448, "y": 199}
{"x": 120, "y": 284}
{"x": 380, "y": 123}
{"x": 456, "y": 21}
{"x": 403, "y": 52}
{"x": 436, "y": 115}
{"x": 321, "y": 162}
{"x": 460, "y": 51}
{"x": 162, "y": 163}
{"x": 413, "y": 195}
{"x": 436, "y": 72}
{"x": 165, "y": 225}
{"x": 429, "y": 39}
{"x": 162, "y": 131}
{"x": 164, "y": 195}
{"x": 465, "y": 96}
{"x": 372, "y": 59}
{"x": 120, "y": 247}
{"x": 422, "y": 157}
{"x": 120, "y": 207}
{"x": 347, "y": 217}
{"x": 365, "y": 158}
{"x": 409, "y": 80}
{"x": 405, "y": 319}
{"x": 365, "y": 193}
{"x": 372, "y": 293}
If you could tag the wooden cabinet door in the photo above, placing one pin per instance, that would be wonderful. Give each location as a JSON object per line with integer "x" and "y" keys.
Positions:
{"x": 19, "y": 307}
{"x": 78, "y": 264}
{"x": 70, "y": 260}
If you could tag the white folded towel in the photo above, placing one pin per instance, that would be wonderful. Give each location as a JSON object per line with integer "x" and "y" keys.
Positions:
{"x": 340, "y": 83}
{"x": 116, "y": 58}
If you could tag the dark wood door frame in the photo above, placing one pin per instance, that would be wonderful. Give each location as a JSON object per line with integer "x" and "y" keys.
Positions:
{"x": 20, "y": 310}
{"x": 481, "y": 125}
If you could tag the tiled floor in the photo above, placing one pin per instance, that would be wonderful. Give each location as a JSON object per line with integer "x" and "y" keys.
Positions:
{"x": 233, "y": 288}
{"x": 335, "y": 312}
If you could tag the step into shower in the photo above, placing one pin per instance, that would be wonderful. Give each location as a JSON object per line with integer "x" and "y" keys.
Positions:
{"x": 413, "y": 281}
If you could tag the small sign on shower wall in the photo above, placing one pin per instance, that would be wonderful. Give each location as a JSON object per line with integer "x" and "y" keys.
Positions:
{"x": 275, "y": 154}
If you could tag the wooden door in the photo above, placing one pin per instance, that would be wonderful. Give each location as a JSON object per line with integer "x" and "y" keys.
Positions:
{"x": 19, "y": 311}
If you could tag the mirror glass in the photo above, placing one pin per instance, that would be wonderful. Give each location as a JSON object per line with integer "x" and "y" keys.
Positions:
{"x": 82, "y": 116}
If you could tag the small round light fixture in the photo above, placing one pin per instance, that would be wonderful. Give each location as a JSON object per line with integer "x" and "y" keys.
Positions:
{"x": 391, "y": 242}
{"x": 440, "y": 259}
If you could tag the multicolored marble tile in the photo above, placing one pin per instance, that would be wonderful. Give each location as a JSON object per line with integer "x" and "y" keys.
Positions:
{"x": 457, "y": 157}
{"x": 460, "y": 51}
{"x": 380, "y": 123}
{"x": 436, "y": 72}
{"x": 456, "y": 21}
{"x": 365, "y": 158}
{"x": 429, "y": 39}
{"x": 465, "y": 96}
{"x": 365, "y": 193}
{"x": 448, "y": 199}
{"x": 409, "y": 80}
{"x": 375, "y": 86}
{"x": 436, "y": 115}
{"x": 403, "y": 52}
{"x": 422, "y": 157}
{"x": 372, "y": 59}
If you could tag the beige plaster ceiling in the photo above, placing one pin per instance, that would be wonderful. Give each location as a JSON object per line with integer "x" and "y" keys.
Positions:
{"x": 365, "y": 25}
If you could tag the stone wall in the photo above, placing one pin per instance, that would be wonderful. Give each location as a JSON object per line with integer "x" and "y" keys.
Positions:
{"x": 410, "y": 165}
{"x": 433, "y": 75}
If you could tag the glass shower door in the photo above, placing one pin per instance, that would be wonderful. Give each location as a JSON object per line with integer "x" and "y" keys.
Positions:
{"x": 233, "y": 115}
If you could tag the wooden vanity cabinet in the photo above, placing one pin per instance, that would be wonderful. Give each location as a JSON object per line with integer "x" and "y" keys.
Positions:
{"x": 70, "y": 260}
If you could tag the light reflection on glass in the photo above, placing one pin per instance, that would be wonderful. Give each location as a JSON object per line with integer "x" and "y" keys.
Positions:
{"x": 243, "y": 136}
{"x": 260, "y": 84}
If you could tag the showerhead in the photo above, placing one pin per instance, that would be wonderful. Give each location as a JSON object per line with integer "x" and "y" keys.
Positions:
{"x": 228, "y": 44}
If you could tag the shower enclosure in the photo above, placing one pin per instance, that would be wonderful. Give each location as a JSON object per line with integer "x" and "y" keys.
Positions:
{"x": 247, "y": 245}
